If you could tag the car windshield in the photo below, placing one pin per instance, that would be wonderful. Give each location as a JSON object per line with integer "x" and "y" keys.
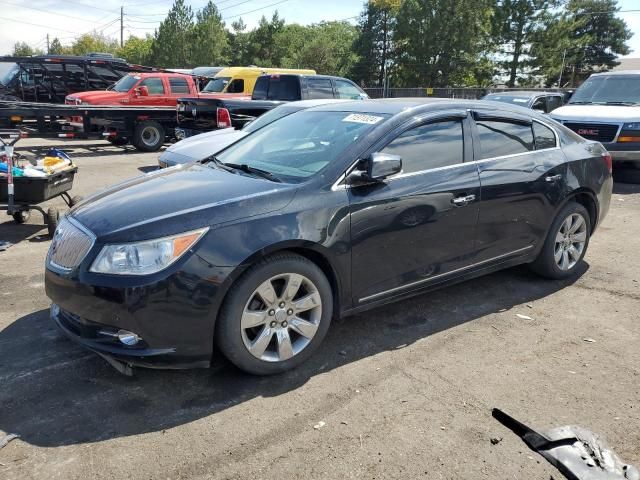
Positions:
{"x": 217, "y": 84}
{"x": 7, "y": 72}
{"x": 269, "y": 117}
{"x": 508, "y": 99}
{"x": 613, "y": 89}
{"x": 125, "y": 83}
{"x": 300, "y": 145}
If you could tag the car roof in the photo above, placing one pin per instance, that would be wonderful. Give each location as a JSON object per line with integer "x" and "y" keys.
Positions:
{"x": 394, "y": 106}
{"x": 313, "y": 103}
{"x": 523, "y": 93}
{"x": 617, "y": 73}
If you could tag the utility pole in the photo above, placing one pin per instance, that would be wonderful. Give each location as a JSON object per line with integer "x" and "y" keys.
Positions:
{"x": 564, "y": 54}
{"x": 121, "y": 26}
{"x": 48, "y": 51}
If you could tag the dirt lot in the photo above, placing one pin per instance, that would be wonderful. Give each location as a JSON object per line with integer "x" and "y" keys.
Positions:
{"x": 405, "y": 391}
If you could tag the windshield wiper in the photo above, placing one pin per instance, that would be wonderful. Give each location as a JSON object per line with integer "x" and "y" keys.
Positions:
{"x": 630, "y": 104}
{"x": 580, "y": 103}
{"x": 243, "y": 167}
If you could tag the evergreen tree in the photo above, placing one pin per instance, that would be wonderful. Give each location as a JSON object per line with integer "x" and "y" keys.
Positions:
{"x": 56, "y": 48}
{"x": 209, "y": 37}
{"x": 515, "y": 24}
{"x": 374, "y": 45}
{"x": 171, "y": 45}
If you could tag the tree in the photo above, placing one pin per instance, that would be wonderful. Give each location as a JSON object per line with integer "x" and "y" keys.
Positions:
{"x": 56, "y": 48}
{"x": 587, "y": 37}
{"x": 171, "y": 45}
{"x": 515, "y": 24}
{"x": 374, "y": 46}
{"x": 438, "y": 41}
{"x": 263, "y": 49}
{"x": 209, "y": 38}
{"x": 23, "y": 49}
{"x": 136, "y": 50}
{"x": 93, "y": 42}
{"x": 238, "y": 43}
{"x": 329, "y": 49}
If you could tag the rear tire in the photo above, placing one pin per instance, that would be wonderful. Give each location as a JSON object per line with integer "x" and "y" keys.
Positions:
{"x": 22, "y": 216}
{"x": 566, "y": 243}
{"x": 53, "y": 217}
{"x": 149, "y": 136}
{"x": 276, "y": 315}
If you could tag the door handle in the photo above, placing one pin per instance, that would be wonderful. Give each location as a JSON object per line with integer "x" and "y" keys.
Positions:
{"x": 462, "y": 201}
{"x": 552, "y": 178}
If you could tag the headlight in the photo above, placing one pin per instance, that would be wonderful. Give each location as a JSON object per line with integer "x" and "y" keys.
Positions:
{"x": 631, "y": 126}
{"x": 147, "y": 257}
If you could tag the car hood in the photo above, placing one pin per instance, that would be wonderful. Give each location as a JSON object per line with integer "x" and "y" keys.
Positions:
{"x": 203, "y": 145}
{"x": 176, "y": 200}
{"x": 597, "y": 113}
{"x": 98, "y": 97}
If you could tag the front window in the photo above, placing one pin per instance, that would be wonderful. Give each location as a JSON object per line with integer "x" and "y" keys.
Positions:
{"x": 8, "y": 72}
{"x": 154, "y": 85}
{"x": 300, "y": 145}
{"x": 126, "y": 83}
{"x": 609, "y": 89}
{"x": 348, "y": 90}
{"x": 217, "y": 85}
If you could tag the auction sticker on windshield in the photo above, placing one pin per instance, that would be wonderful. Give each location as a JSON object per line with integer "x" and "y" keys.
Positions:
{"x": 362, "y": 118}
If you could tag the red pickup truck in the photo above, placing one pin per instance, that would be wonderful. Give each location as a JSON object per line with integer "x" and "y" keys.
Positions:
{"x": 140, "y": 89}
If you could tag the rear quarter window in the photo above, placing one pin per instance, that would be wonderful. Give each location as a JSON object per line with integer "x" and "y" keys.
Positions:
{"x": 544, "y": 137}
{"x": 499, "y": 138}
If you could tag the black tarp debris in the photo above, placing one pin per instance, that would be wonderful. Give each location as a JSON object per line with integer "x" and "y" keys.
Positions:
{"x": 576, "y": 452}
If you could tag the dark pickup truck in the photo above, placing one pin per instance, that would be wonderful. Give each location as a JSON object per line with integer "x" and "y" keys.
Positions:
{"x": 202, "y": 114}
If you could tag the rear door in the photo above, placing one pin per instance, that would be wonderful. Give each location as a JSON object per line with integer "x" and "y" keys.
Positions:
{"x": 419, "y": 225}
{"x": 318, "y": 87}
{"x": 178, "y": 87}
{"x": 521, "y": 179}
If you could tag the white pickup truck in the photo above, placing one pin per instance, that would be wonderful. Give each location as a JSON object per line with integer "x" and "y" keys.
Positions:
{"x": 606, "y": 108}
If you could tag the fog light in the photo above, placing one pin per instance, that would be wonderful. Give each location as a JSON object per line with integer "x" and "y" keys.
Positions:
{"x": 128, "y": 338}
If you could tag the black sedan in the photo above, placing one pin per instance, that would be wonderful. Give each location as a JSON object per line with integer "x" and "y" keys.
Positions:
{"x": 326, "y": 212}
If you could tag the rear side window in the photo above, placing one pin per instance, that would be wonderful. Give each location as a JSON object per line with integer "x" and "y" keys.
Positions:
{"x": 499, "y": 138}
{"x": 154, "y": 85}
{"x": 178, "y": 85}
{"x": 429, "y": 146}
{"x": 236, "y": 86}
{"x": 319, "y": 88}
{"x": 544, "y": 136}
{"x": 277, "y": 87}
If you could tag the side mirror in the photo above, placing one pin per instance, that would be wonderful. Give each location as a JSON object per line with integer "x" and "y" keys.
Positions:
{"x": 375, "y": 169}
{"x": 142, "y": 91}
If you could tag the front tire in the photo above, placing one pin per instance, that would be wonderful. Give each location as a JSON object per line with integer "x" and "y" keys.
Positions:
{"x": 566, "y": 244}
{"x": 276, "y": 315}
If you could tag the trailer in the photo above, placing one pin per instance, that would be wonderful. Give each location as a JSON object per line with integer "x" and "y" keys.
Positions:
{"x": 50, "y": 78}
{"x": 146, "y": 128}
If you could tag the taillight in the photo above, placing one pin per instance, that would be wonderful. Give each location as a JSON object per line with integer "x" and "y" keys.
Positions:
{"x": 608, "y": 161}
{"x": 223, "y": 118}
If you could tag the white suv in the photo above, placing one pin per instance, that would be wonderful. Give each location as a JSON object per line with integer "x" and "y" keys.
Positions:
{"x": 606, "y": 108}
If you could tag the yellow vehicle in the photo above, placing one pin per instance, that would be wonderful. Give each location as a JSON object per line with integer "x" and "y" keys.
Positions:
{"x": 241, "y": 80}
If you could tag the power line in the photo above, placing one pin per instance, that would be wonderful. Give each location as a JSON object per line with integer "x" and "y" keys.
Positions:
{"x": 256, "y": 10}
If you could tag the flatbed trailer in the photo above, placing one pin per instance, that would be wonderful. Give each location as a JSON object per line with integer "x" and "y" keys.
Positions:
{"x": 146, "y": 128}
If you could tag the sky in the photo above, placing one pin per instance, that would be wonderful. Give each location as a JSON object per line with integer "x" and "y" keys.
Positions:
{"x": 31, "y": 21}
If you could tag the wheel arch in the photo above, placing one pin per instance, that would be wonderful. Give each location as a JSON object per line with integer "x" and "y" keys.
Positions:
{"x": 587, "y": 199}
{"x": 313, "y": 252}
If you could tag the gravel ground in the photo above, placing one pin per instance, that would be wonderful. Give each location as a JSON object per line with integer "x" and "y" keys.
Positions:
{"x": 404, "y": 391}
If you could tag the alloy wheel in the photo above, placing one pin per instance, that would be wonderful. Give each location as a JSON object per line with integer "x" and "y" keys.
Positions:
{"x": 570, "y": 241}
{"x": 281, "y": 317}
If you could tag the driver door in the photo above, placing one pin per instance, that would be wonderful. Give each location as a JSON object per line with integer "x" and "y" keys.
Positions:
{"x": 417, "y": 227}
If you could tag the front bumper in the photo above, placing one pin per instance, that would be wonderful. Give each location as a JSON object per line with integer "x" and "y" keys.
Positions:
{"x": 101, "y": 339}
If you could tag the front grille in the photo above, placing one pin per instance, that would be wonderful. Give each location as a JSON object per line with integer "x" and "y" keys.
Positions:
{"x": 600, "y": 132}
{"x": 69, "y": 246}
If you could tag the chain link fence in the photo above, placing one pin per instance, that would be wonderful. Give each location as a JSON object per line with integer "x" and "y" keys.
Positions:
{"x": 465, "y": 93}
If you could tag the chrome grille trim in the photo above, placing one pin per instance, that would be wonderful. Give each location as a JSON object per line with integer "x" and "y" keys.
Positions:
{"x": 70, "y": 245}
